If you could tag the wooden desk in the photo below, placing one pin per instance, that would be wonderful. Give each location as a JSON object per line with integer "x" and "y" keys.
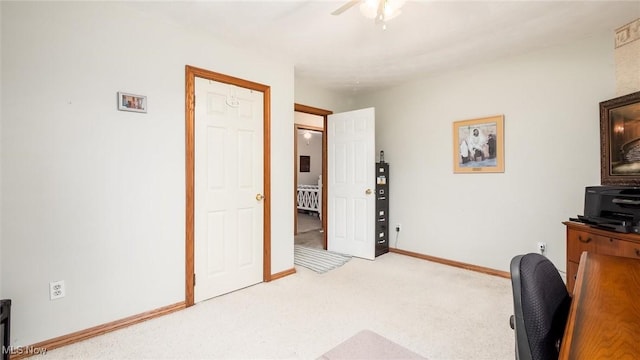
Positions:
{"x": 581, "y": 237}
{"x": 604, "y": 320}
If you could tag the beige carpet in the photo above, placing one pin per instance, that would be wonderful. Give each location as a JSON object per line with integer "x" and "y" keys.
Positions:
{"x": 309, "y": 231}
{"x": 437, "y": 311}
{"x": 308, "y": 222}
{"x": 369, "y": 345}
{"x": 311, "y": 239}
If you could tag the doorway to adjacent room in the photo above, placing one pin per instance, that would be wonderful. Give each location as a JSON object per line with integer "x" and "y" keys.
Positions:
{"x": 310, "y": 176}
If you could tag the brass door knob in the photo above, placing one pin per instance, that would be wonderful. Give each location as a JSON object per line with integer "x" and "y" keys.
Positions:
{"x": 369, "y": 192}
{"x": 259, "y": 197}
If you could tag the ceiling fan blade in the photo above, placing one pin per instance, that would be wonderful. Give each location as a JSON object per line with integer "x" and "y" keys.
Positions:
{"x": 345, "y": 7}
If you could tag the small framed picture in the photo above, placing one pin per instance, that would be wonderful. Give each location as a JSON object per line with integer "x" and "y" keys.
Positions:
{"x": 305, "y": 163}
{"x": 132, "y": 102}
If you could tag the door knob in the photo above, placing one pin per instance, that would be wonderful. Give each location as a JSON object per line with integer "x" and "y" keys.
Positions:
{"x": 259, "y": 197}
{"x": 369, "y": 192}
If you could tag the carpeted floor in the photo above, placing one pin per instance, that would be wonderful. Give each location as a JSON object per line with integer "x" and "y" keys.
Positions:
{"x": 309, "y": 231}
{"x": 311, "y": 239}
{"x": 434, "y": 310}
{"x": 308, "y": 222}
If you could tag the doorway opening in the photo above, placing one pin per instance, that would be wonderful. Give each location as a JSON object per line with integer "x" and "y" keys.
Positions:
{"x": 310, "y": 176}
{"x": 308, "y": 224}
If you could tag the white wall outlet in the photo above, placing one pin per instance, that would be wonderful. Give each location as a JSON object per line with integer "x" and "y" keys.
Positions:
{"x": 542, "y": 247}
{"x": 56, "y": 290}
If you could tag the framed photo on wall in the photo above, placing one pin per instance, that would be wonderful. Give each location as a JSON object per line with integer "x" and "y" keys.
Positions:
{"x": 132, "y": 102}
{"x": 305, "y": 163}
{"x": 478, "y": 145}
{"x": 620, "y": 140}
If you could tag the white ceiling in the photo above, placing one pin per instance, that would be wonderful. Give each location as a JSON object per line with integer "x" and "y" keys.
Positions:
{"x": 351, "y": 53}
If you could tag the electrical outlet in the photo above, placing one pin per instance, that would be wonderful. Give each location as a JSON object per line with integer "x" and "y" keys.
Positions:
{"x": 398, "y": 227}
{"x": 56, "y": 290}
{"x": 542, "y": 247}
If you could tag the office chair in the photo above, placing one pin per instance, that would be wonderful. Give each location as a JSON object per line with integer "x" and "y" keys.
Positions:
{"x": 541, "y": 306}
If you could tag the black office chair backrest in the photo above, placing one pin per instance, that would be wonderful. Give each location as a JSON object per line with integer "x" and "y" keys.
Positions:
{"x": 541, "y": 306}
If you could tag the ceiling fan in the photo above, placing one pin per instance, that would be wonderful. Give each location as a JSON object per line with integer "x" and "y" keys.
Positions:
{"x": 380, "y": 10}
{"x": 348, "y": 5}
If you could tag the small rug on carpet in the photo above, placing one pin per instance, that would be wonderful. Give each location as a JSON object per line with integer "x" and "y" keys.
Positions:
{"x": 369, "y": 345}
{"x": 318, "y": 260}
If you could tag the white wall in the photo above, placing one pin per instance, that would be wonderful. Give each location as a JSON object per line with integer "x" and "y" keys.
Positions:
{"x": 311, "y": 95}
{"x": 301, "y": 118}
{"x": 550, "y": 103}
{"x": 94, "y": 196}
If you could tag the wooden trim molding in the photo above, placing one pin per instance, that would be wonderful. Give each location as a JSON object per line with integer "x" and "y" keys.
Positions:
{"x": 266, "y": 271}
{"x": 457, "y": 264}
{"x": 189, "y": 108}
{"x": 42, "y": 347}
{"x": 311, "y": 110}
{"x": 191, "y": 73}
{"x": 282, "y": 274}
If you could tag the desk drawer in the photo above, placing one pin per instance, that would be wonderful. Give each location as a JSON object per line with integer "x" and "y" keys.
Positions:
{"x": 579, "y": 241}
{"x": 618, "y": 247}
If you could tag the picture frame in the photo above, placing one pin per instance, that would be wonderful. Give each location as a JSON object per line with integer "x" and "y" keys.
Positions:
{"x": 305, "y": 163}
{"x": 478, "y": 145}
{"x": 132, "y": 102}
{"x": 620, "y": 140}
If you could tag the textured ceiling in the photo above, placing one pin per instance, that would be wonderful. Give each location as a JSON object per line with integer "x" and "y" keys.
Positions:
{"x": 351, "y": 53}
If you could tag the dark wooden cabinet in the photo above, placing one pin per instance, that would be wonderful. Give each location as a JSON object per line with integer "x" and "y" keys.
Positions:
{"x": 382, "y": 208}
{"x": 581, "y": 237}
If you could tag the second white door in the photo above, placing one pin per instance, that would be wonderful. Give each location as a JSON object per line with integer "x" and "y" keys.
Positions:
{"x": 351, "y": 184}
{"x": 228, "y": 210}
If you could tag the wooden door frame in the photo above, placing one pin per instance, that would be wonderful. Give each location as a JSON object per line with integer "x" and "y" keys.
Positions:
{"x": 191, "y": 73}
{"x": 324, "y": 113}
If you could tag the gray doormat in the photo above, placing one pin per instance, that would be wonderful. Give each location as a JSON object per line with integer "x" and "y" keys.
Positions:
{"x": 318, "y": 260}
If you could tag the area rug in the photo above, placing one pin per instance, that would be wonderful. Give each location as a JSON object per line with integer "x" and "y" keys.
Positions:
{"x": 318, "y": 260}
{"x": 369, "y": 345}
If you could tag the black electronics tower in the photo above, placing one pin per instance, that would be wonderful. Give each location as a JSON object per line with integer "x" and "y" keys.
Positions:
{"x": 382, "y": 208}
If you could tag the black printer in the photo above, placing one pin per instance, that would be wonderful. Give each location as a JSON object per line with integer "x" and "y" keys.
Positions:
{"x": 615, "y": 208}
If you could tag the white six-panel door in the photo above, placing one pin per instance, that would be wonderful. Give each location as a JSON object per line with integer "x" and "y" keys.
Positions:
{"x": 228, "y": 210}
{"x": 351, "y": 183}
